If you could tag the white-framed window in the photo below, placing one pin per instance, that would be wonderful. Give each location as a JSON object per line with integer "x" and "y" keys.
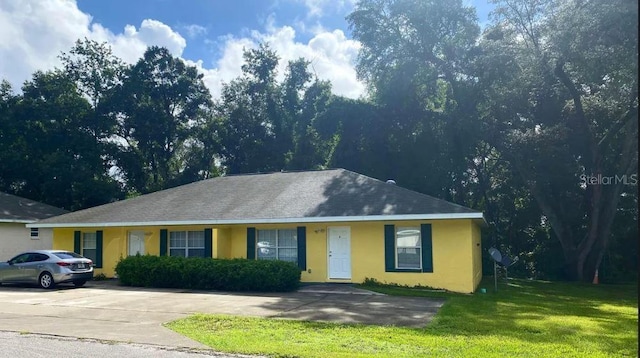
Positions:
{"x": 408, "y": 248}
{"x": 277, "y": 244}
{"x": 35, "y": 233}
{"x": 186, "y": 243}
{"x": 89, "y": 245}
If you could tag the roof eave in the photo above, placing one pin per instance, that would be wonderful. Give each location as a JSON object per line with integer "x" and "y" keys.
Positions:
{"x": 315, "y": 219}
{"x": 16, "y": 221}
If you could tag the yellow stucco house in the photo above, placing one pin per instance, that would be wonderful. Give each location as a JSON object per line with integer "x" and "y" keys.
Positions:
{"x": 337, "y": 225}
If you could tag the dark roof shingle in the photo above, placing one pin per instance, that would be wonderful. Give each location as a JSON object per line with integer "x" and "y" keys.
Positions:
{"x": 271, "y": 197}
{"x": 16, "y": 209}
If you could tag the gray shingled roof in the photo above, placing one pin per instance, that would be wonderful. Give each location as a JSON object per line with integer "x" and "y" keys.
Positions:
{"x": 275, "y": 197}
{"x": 16, "y": 209}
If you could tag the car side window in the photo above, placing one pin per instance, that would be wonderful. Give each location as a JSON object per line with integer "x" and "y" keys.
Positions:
{"x": 38, "y": 257}
{"x": 21, "y": 259}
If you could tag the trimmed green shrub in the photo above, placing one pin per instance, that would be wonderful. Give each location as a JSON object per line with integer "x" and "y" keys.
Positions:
{"x": 208, "y": 274}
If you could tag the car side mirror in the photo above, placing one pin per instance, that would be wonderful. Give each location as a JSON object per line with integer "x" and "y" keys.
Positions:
{"x": 10, "y": 262}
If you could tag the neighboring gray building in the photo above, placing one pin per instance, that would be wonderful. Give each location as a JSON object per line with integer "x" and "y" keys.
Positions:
{"x": 15, "y": 237}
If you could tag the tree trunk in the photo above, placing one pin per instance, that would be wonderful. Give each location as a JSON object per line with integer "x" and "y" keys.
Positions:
{"x": 603, "y": 203}
{"x": 572, "y": 270}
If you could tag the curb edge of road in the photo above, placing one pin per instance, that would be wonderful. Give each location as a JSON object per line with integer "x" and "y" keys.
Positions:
{"x": 207, "y": 352}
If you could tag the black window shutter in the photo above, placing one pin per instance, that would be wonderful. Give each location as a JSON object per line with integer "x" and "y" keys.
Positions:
{"x": 427, "y": 247}
{"x": 251, "y": 243}
{"x": 77, "y": 244}
{"x": 208, "y": 242}
{"x": 98, "y": 249}
{"x": 302, "y": 248}
{"x": 389, "y": 248}
{"x": 163, "y": 242}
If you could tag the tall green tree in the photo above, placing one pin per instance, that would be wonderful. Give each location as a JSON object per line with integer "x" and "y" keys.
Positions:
{"x": 57, "y": 158}
{"x": 353, "y": 137}
{"x": 94, "y": 67}
{"x": 563, "y": 108}
{"x": 160, "y": 101}
{"x": 268, "y": 125}
{"x": 416, "y": 57}
{"x": 96, "y": 71}
{"x": 305, "y": 99}
{"x": 12, "y": 140}
{"x": 251, "y": 116}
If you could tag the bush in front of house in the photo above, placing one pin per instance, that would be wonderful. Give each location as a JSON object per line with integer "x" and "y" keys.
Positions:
{"x": 208, "y": 274}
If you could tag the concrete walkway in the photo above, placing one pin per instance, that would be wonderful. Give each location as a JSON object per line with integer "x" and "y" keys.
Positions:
{"x": 105, "y": 311}
{"x": 336, "y": 288}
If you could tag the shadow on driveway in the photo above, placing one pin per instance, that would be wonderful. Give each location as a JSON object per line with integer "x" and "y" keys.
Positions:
{"x": 106, "y": 311}
{"x": 342, "y": 303}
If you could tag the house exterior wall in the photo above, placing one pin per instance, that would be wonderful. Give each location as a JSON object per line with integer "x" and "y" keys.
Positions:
{"x": 16, "y": 238}
{"x": 456, "y": 255}
{"x": 454, "y": 250}
{"x": 452, "y": 255}
{"x": 222, "y": 243}
{"x": 116, "y": 242}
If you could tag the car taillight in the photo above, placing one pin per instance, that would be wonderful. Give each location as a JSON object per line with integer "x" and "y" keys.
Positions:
{"x": 62, "y": 263}
{"x": 90, "y": 263}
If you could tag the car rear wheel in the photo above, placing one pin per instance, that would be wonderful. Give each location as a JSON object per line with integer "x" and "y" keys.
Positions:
{"x": 46, "y": 280}
{"x": 79, "y": 283}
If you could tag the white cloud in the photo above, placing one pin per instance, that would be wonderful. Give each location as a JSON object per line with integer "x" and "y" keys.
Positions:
{"x": 131, "y": 44}
{"x": 318, "y": 8}
{"x": 309, "y": 27}
{"x": 195, "y": 30}
{"x": 227, "y": 67}
{"x": 33, "y": 34}
{"x": 331, "y": 54}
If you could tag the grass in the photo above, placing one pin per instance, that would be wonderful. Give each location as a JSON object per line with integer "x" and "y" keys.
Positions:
{"x": 524, "y": 318}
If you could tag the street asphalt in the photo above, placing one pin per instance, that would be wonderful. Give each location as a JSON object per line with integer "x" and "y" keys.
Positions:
{"x": 17, "y": 345}
{"x": 107, "y": 312}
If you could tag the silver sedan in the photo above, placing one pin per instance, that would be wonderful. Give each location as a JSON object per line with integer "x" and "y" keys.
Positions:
{"x": 47, "y": 268}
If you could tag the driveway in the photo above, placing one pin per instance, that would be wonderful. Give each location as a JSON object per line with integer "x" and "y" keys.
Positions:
{"x": 105, "y": 311}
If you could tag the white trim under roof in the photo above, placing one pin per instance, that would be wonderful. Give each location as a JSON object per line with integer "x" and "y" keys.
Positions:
{"x": 16, "y": 221}
{"x": 452, "y": 216}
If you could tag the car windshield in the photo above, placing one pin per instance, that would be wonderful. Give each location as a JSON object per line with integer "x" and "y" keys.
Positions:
{"x": 67, "y": 255}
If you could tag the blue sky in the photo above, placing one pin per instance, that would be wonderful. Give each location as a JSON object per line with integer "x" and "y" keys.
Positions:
{"x": 218, "y": 18}
{"x": 209, "y": 20}
{"x": 208, "y": 34}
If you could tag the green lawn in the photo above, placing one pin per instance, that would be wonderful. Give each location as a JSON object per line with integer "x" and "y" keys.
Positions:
{"x": 524, "y": 319}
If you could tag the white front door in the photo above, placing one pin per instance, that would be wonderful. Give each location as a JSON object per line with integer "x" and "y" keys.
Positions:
{"x": 339, "y": 251}
{"x": 136, "y": 243}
